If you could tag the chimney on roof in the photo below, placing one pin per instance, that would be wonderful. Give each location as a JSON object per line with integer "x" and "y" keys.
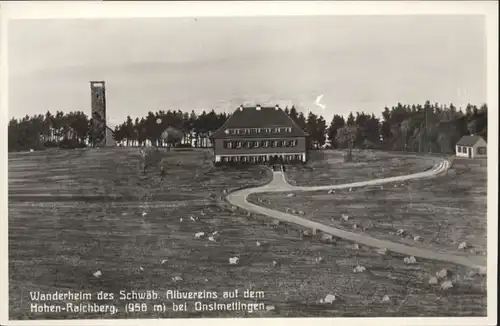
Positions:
{"x": 277, "y": 107}
{"x": 257, "y": 107}
{"x": 241, "y": 107}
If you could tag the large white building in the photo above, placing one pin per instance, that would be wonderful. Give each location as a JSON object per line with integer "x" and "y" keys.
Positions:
{"x": 260, "y": 135}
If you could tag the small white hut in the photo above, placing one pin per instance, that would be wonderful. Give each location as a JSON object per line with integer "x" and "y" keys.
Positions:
{"x": 471, "y": 147}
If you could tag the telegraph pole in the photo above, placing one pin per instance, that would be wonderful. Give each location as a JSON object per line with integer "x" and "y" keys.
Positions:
{"x": 425, "y": 130}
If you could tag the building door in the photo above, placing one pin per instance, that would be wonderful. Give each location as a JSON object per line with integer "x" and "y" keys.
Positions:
{"x": 273, "y": 159}
{"x": 470, "y": 152}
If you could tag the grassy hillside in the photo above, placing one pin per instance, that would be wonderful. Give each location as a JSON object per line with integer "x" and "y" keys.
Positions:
{"x": 94, "y": 220}
{"x": 329, "y": 168}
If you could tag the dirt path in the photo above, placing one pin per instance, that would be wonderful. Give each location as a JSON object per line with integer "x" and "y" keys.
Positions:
{"x": 279, "y": 184}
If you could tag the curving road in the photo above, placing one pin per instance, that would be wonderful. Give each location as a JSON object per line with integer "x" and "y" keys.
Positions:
{"x": 279, "y": 184}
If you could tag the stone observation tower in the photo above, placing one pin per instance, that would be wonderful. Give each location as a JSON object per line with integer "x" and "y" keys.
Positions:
{"x": 102, "y": 133}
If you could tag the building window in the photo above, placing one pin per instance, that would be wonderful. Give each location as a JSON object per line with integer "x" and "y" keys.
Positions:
{"x": 481, "y": 150}
{"x": 257, "y": 144}
{"x": 249, "y": 144}
{"x": 238, "y": 144}
{"x": 229, "y": 144}
{"x": 275, "y": 143}
{"x": 459, "y": 149}
{"x": 225, "y": 144}
{"x": 280, "y": 143}
{"x": 266, "y": 143}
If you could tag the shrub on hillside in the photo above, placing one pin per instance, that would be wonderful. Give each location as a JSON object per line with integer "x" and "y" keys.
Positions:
{"x": 151, "y": 157}
{"x": 70, "y": 144}
{"x": 50, "y": 144}
{"x": 348, "y": 157}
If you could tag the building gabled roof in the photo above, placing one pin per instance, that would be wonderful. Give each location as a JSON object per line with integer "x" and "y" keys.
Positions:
{"x": 263, "y": 117}
{"x": 469, "y": 141}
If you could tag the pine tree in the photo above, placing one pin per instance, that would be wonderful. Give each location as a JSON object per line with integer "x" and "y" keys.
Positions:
{"x": 336, "y": 123}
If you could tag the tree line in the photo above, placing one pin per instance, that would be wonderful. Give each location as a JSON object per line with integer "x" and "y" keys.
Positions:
{"x": 418, "y": 128}
{"x": 76, "y": 129}
{"x": 434, "y": 128}
{"x": 171, "y": 126}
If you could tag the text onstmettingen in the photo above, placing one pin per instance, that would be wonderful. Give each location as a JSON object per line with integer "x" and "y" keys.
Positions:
{"x": 141, "y": 301}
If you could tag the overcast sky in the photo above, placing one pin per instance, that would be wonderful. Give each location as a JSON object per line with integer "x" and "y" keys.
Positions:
{"x": 358, "y": 63}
